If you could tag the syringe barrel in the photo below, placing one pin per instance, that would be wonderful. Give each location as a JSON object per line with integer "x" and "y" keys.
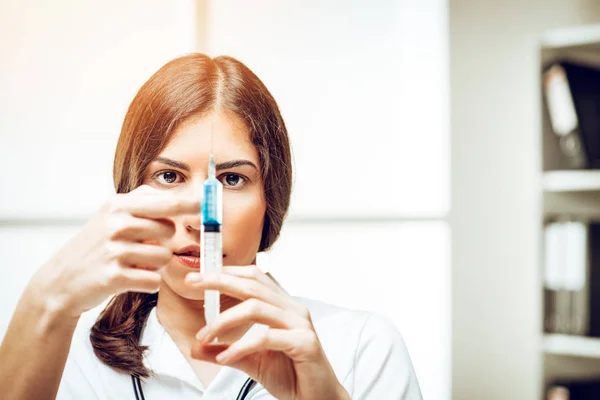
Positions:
{"x": 212, "y": 247}
{"x": 212, "y": 210}
{"x": 212, "y": 262}
{"x": 212, "y": 305}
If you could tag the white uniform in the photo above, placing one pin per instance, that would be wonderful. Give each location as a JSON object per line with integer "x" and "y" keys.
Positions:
{"x": 365, "y": 350}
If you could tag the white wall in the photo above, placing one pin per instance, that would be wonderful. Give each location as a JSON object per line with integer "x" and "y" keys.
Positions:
{"x": 495, "y": 215}
{"x": 364, "y": 91}
{"x": 68, "y": 72}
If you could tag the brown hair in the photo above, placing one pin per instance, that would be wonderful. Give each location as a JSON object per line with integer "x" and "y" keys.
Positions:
{"x": 188, "y": 86}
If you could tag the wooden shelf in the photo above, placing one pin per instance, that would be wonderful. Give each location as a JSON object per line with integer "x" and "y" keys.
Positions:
{"x": 571, "y": 181}
{"x": 574, "y": 346}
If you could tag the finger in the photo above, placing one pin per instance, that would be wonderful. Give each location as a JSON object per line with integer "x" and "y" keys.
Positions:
{"x": 126, "y": 227}
{"x": 207, "y": 352}
{"x": 158, "y": 205}
{"x": 247, "y": 312}
{"x": 252, "y": 272}
{"x": 226, "y": 337}
{"x": 239, "y": 288}
{"x": 299, "y": 345}
{"x": 133, "y": 254}
{"x": 137, "y": 280}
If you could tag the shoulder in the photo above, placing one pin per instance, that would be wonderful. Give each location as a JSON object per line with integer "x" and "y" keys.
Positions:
{"x": 81, "y": 347}
{"x": 85, "y": 376}
{"x": 325, "y": 313}
{"x": 81, "y": 337}
{"x": 363, "y": 325}
{"x": 365, "y": 349}
{"x": 352, "y": 334}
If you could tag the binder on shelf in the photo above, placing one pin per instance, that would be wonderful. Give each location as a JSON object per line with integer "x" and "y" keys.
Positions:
{"x": 593, "y": 281}
{"x": 588, "y": 389}
{"x": 572, "y": 278}
{"x": 553, "y": 271}
{"x": 576, "y": 271}
{"x": 572, "y": 100}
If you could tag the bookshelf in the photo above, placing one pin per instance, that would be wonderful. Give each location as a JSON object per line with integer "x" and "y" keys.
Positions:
{"x": 566, "y": 193}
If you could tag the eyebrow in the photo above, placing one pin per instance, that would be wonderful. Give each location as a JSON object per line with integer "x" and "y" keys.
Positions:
{"x": 224, "y": 165}
{"x": 173, "y": 163}
{"x": 234, "y": 164}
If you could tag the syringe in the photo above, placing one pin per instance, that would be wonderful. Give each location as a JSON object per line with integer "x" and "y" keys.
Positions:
{"x": 212, "y": 246}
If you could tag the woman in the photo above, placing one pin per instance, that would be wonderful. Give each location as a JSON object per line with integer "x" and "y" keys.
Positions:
{"x": 151, "y": 341}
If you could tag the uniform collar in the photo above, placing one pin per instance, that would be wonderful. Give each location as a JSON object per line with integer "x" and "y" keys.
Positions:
{"x": 164, "y": 359}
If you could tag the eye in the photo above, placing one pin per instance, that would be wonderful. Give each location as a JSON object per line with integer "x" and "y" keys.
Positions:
{"x": 234, "y": 181}
{"x": 166, "y": 177}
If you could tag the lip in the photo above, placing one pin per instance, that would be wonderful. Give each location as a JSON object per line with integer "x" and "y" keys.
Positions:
{"x": 188, "y": 249}
{"x": 189, "y": 261}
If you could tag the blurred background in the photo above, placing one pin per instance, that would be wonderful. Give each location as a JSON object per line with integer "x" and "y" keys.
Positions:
{"x": 431, "y": 170}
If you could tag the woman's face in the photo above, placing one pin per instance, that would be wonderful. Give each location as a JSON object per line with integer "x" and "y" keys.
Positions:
{"x": 182, "y": 167}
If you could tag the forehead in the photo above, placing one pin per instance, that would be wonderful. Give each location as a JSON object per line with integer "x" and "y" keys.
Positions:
{"x": 220, "y": 132}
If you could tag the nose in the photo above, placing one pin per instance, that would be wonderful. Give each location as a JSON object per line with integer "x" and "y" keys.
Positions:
{"x": 192, "y": 222}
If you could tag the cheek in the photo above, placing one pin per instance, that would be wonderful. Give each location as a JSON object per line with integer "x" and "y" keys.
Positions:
{"x": 243, "y": 218}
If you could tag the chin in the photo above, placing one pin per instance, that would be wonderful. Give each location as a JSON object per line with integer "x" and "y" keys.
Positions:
{"x": 190, "y": 294}
{"x": 183, "y": 291}
{"x": 174, "y": 279}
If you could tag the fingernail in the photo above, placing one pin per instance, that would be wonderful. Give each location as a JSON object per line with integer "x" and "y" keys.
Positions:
{"x": 203, "y": 333}
{"x": 194, "y": 277}
{"x": 221, "y": 357}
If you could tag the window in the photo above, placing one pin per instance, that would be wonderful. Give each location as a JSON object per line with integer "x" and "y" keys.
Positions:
{"x": 364, "y": 92}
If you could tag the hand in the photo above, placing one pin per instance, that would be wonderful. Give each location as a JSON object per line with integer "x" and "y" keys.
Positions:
{"x": 118, "y": 250}
{"x": 287, "y": 358}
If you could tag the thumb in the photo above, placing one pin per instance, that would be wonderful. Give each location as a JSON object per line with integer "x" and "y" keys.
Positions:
{"x": 208, "y": 352}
